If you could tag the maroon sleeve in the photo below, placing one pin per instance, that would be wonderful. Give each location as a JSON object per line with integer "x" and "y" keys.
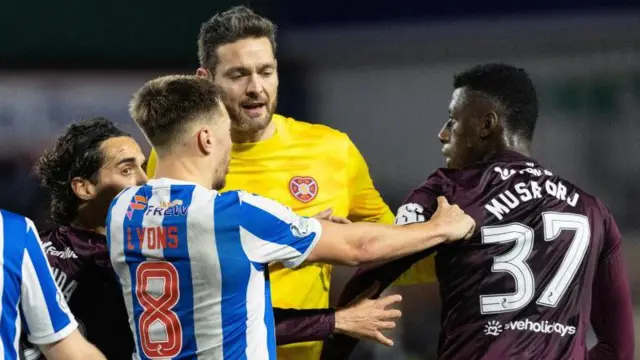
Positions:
{"x": 293, "y": 326}
{"x": 341, "y": 346}
{"x": 611, "y": 308}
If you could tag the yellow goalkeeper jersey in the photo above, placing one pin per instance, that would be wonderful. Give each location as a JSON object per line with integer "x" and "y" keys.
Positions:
{"x": 309, "y": 168}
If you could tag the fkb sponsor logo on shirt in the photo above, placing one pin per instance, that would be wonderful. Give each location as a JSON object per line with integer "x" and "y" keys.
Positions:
{"x": 173, "y": 208}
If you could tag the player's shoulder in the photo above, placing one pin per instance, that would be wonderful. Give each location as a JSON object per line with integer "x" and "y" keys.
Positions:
{"x": 592, "y": 203}
{"x": 64, "y": 250}
{"x": 127, "y": 200}
{"x": 54, "y": 236}
{"x": 253, "y": 207}
{"x": 298, "y": 128}
{"x": 424, "y": 196}
{"x": 439, "y": 181}
{"x": 259, "y": 201}
{"x": 11, "y": 221}
{"x": 11, "y": 217}
{"x": 511, "y": 168}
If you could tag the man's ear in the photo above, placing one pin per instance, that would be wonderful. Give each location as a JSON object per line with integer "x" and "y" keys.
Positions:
{"x": 205, "y": 140}
{"x": 488, "y": 124}
{"x": 83, "y": 188}
{"x": 204, "y": 73}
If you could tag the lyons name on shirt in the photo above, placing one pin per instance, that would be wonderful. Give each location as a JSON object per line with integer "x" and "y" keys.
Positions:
{"x": 152, "y": 237}
{"x": 525, "y": 191}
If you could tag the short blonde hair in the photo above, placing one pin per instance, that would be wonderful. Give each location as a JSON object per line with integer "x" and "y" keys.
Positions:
{"x": 164, "y": 107}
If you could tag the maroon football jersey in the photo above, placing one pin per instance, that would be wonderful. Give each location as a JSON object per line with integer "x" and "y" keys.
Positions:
{"x": 80, "y": 263}
{"x": 523, "y": 286}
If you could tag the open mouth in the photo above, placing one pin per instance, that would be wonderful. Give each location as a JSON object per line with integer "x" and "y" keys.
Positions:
{"x": 254, "y": 109}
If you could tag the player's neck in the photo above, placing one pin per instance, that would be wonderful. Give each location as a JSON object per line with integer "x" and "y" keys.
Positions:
{"x": 87, "y": 220}
{"x": 520, "y": 147}
{"x": 521, "y": 150}
{"x": 186, "y": 169}
{"x": 241, "y": 137}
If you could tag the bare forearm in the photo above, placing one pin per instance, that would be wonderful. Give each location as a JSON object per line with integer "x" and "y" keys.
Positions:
{"x": 388, "y": 242}
{"x": 293, "y": 326}
{"x": 74, "y": 347}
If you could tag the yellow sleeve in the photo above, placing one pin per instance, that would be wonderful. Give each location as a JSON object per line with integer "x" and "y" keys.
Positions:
{"x": 151, "y": 164}
{"x": 366, "y": 204}
{"x": 424, "y": 271}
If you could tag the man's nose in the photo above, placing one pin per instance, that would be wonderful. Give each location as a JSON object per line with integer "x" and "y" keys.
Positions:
{"x": 255, "y": 85}
{"x": 444, "y": 135}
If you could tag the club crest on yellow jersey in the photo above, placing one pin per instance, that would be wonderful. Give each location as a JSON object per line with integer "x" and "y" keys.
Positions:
{"x": 303, "y": 188}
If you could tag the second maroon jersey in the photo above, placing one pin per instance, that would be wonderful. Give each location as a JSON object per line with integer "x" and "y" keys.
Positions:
{"x": 521, "y": 287}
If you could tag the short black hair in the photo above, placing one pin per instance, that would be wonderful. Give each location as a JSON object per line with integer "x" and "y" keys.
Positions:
{"x": 165, "y": 106}
{"x": 229, "y": 26}
{"x": 511, "y": 87}
{"x": 76, "y": 153}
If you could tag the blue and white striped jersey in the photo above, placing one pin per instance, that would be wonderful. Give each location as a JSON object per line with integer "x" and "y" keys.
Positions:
{"x": 193, "y": 268}
{"x": 30, "y": 296}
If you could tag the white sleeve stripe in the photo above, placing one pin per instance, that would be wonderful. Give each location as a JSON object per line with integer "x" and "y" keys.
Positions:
{"x": 60, "y": 315}
{"x": 316, "y": 228}
{"x": 33, "y": 303}
{"x": 261, "y": 251}
{"x": 276, "y": 209}
{"x": 49, "y": 339}
{"x": 35, "y": 308}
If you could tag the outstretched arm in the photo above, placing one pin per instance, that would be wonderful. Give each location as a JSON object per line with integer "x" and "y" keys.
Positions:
{"x": 363, "y": 319}
{"x": 378, "y": 276}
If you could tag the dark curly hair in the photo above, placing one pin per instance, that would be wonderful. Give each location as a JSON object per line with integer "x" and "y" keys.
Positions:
{"x": 509, "y": 86}
{"x": 76, "y": 154}
{"x": 229, "y": 26}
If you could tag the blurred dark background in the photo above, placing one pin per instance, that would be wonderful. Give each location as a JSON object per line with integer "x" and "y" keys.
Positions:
{"x": 379, "y": 70}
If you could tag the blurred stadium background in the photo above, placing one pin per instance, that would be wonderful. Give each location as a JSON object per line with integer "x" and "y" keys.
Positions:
{"x": 379, "y": 70}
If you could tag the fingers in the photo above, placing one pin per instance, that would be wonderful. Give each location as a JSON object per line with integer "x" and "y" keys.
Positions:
{"x": 391, "y": 299}
{"x": 324, "y": 214}
{"x": 383, "y": 339}
{"x": 339, "y": 220}
{"x": 442, "y": 201}
{"x": 471, "y": 230}
{"x": 392, "y": 314}
{"x": 387, "y": 301}
{"x": 387, "y": 325}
